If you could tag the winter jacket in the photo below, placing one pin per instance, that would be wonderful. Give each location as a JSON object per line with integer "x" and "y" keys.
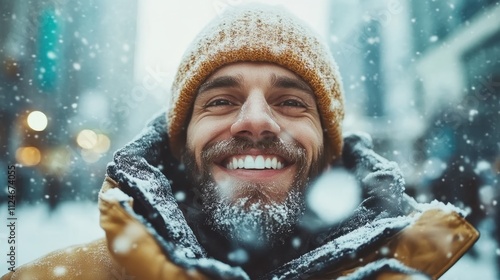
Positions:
{"x": 154, "y": 232}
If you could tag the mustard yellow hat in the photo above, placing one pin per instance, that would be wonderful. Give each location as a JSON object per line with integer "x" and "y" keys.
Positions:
{"x": 259, "y": 34}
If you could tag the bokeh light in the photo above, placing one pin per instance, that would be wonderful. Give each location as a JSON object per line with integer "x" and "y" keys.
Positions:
{"x": 28, "y": 156}
{"x": 86, "y": 139}
{"x": 37, "y": 121}
{"x": 103, "y": 144}
{"x": 93, "y": 145}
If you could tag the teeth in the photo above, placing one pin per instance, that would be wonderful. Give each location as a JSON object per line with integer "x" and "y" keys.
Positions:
{"x": 258, "y": 162}
{"x": 274, "y": 163}
{"x": 268, "y": 163}
{"x": 249, "y": 162}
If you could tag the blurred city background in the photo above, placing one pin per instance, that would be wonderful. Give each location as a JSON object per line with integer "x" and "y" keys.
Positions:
{"x": 79, "y": 79}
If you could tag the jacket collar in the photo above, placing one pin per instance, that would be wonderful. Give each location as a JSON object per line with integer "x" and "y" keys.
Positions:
{"x": 146, "y": 170}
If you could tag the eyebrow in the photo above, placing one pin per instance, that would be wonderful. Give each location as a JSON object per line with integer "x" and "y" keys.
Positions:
{"x": 237, "y": 81}
{"x": 288, "y": 82}
{"x": 221, "y": 82}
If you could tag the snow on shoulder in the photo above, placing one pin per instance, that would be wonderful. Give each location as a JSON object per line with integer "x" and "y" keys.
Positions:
{"x": 438, "y": 205}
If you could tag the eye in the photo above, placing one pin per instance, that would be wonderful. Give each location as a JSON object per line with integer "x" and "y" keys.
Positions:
{"x": 218, "y": 102}
{"x": 292, "y": 103}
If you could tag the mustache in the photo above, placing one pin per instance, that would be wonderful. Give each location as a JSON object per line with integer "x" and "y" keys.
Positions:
{"x": 292, "y": 152}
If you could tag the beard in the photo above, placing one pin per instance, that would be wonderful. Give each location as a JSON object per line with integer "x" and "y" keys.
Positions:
{"x": 251, "y": 214}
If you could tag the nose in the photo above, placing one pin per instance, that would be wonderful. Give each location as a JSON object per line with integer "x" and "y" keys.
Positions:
{"x": 255, "y": 119}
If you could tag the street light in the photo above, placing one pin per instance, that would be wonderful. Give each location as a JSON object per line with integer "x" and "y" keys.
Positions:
{"x": 37, "y": 121}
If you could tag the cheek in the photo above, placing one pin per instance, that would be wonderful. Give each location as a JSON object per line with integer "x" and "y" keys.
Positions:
{"x": 314, "y": 146}
{"x": 191, "y": 138}
{"x": 315, "y": 139}
{"x": 306, "y": 133}
{"x": 203, "y": 132}
{"x": 195, "y": 141}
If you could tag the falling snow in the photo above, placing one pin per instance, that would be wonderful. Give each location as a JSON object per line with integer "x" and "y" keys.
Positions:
{"x": 433, "y": 38}
{"x": 60, "y": 271}
{"x": 51, "y": 55}
{"x": 333, "y": 202}
{"x": 421, "y": 79}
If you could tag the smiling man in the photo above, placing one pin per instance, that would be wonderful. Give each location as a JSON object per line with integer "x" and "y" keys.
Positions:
{"x": 253, "y": 141}
{"x": 217, "y": 187}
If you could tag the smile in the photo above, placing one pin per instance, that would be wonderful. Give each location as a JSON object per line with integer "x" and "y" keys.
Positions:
{"x": 254, "y": 162}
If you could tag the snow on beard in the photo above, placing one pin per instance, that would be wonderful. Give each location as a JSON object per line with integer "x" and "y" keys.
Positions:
{"x": 255, "y": 224}
{"x": 248, "y": 212}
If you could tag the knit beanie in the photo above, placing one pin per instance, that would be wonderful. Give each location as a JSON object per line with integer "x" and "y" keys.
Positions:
{"x": 258, "y": 33}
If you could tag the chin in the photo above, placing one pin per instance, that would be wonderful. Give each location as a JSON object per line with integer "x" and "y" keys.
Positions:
{"x": 253, "y": 218}
{"x": 260, "y": 194}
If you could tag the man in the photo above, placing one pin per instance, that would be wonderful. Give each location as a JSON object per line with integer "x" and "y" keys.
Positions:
{"x": 217, "y": 189}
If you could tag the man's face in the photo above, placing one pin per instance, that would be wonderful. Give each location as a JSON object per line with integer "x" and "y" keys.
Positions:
{"x": 253, "y": 141}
